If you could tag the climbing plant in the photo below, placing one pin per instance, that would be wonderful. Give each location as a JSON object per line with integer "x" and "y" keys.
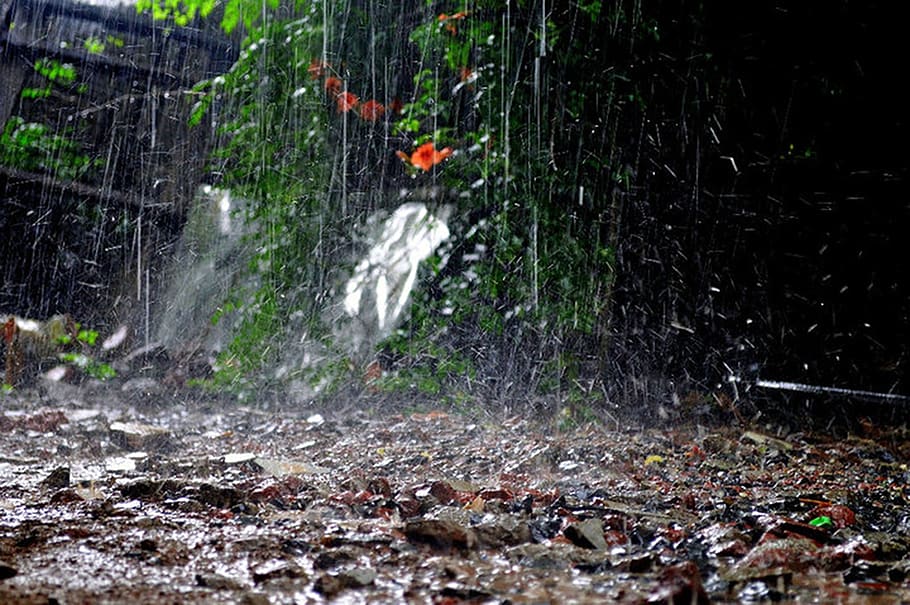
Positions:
{"x": 273, "y": 133}
{"x": 525, "y": 285}
{"x": 472, "y": 110}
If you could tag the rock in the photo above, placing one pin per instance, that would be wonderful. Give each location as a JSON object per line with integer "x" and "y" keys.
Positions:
{"x": 315, "y": 420}
{"x": 443, "y": 492}
{"x": 137, "y": 436}
{"x": 463, "y": 593}
{"x": 335, "y": 557}
{"x": 217, "y": 581}
{"x": 332, "y": 584}
{"x": 255, "y": 598}
{"x": 238, "y": 458}
{"x": 775, "y": 558}
{"x": 554, "y": 556}
{"x": 283, "y": 468}
{"x": 276, "y": 568}
{"x": 502, "y": 530}
{"x": 587, "y": 534}
{"x": 296, "y": 547}
{"x": 637, "y": 563}
{"x": 59, "y": 373}
{"x": 441, "y": 533}
{"x": 679, "y": 585}
{"x": 143, "y": 386}
{"x": 120, "y": 464}
{"x": 7, "y": 570}
{"x": 357, "y": 578}
{"x": 218, "y": 496}
{"x": 328, "y": 584}
{"x": 82, "y": 414}
{"x": 66, "y": 496}
{"x": 59, "y": 478}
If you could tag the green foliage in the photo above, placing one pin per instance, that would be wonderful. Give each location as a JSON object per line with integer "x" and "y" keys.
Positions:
{"x": 274, "y": 156}
{"x": 63, "y": 74}
{"x": 93, "y": 45}
{"x": 591, "y": 8}
{"x": 524, "y": 158}
{"x": 87, "y": 336}
{"x": 181, "y": 11}
{"x": 250, "y": 347}
{"x": 427, "y": 363}
{"x": 58, "y": 74}
{"x": 79, "y": 358}
{"x": 89, "y": 365}
{"x": 35, "y": 147}
{"x": 248, "y": 13}
{"x": 546, "y": 271}
{"x": 35, "y": 93}
{"x": 571, "y": 418}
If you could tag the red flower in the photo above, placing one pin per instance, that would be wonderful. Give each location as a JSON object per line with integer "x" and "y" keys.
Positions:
{"x": 372, "y": 110}
{"x": 317, "y": 68}
{"x": 426, "y": 156}
{"x": 396, "y": 106}
{"x": 346, "y": 102}
{"x": 333, "y": 85}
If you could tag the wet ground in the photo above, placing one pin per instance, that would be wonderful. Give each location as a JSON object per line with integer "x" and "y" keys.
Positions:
{"x": 113, "y": 497}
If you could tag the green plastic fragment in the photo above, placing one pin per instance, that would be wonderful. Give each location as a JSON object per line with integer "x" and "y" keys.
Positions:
{"x": 821, "y": 522}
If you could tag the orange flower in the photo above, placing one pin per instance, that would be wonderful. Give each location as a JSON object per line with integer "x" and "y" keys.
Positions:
{"x": 447, "y": 19}
{"x": 346, "y": 102}
{"x": 372, "y": 110}
{"x": 403, "y": 156}
{"x": 456, "y": 17}
{"x": 426, "y": 156}
{"x": 317, "y": 68}
{"x": 333, "y": 85}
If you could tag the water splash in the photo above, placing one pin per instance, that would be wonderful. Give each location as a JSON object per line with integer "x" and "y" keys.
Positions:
{"x": 380, "y": 287}
{"x": 208, "y": 262}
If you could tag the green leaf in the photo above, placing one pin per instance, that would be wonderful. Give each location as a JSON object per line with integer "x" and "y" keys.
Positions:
{"x": 94, "y": 45}
{"x": 36, "y": 93}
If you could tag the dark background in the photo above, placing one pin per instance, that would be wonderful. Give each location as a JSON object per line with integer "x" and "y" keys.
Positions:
{"x": 795, "y": 267}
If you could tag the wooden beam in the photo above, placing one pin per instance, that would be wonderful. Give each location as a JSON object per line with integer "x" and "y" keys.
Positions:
{"x": 222, "y": 51}
{"x": 12, "y": 75}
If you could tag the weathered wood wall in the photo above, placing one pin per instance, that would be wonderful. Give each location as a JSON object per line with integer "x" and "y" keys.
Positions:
{"x": 89, "y": 241}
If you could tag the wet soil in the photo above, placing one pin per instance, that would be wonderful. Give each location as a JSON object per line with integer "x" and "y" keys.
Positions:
{"x": 112, "y": 497}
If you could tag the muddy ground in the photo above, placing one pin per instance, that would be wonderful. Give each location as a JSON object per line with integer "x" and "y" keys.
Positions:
{"x": 161, "y": 497}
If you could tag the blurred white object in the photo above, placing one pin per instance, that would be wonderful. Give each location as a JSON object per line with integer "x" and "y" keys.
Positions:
{"x": 389, "y": 269}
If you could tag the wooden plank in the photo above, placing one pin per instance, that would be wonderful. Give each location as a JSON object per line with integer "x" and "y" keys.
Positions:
{"x": 14, "y": 177}
{"x": 124, "y": 20}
